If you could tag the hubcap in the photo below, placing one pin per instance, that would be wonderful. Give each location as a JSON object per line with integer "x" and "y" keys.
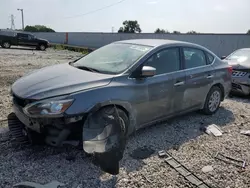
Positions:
{"x": 42, "y": 47}
{"x": 6, "y": 45}
{"x": 214, "y": 101}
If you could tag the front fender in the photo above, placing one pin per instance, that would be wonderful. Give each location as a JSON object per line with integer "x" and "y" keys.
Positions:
{"x": 94, "y": 99}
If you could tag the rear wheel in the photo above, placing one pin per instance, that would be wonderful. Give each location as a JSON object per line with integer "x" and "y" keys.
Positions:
{"x": 213, "y": 101}
{"x": 6, "y": 44}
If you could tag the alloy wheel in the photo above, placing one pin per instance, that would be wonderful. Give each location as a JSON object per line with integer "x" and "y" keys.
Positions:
{"x": 214, "y": 101}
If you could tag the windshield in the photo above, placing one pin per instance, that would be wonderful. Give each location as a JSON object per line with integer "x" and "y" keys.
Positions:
{"x": 240, "y": 56}
{"x": 113, "y": 58}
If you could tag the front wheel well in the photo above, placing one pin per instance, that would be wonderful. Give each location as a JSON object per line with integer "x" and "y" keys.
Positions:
{"x": 221, "y": 88}
{"x": 41, "y": 43}
{"x": 118, "y": 106}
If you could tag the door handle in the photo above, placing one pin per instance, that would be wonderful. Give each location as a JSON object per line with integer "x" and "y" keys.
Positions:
{"x": 210, "y": 76}
{"x": 179, "y": 83}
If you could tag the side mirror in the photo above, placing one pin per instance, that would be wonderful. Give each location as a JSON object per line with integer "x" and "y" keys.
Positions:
{"x": 148, "y": 71}
{"x": 223, "y": 57}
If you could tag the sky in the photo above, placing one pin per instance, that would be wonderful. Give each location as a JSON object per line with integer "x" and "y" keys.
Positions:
{"x": 206, "y": 16}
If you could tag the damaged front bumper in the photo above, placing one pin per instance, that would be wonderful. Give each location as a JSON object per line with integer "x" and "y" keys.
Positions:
{"x": 55, "y": 130}
{"x": 241, "y": 88}
{"x": 241, "y": 81}
{"x": 102, "y": 133}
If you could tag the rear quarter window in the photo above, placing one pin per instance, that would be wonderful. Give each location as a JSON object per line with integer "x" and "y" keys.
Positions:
{"x": 210, "y": 58}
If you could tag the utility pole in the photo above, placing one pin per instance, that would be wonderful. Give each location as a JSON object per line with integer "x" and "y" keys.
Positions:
{"x": 12, "y": 26}
{"x": 22, "y": 17}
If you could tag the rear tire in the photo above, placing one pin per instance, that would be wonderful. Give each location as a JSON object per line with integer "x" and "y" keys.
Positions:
{"x": 213, "y": 101}
{"x": 6, "y": 44}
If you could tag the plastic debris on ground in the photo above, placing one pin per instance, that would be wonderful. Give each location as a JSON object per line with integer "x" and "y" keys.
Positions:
{"x": 214, "y": 130}
{"x": 207, "y": 169}
{"x": 245, "y": 132}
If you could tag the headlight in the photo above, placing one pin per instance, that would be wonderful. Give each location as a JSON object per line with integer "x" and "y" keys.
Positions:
{"x": 48, "y": 108}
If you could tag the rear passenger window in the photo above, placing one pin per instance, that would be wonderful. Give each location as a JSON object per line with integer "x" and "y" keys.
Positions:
{"x": 210, "y": 58}
{"x": 194, "y": 58}
{"x": 165, "y": 61}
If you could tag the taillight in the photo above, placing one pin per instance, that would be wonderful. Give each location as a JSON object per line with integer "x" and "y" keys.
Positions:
{"x": 230, "y": 69}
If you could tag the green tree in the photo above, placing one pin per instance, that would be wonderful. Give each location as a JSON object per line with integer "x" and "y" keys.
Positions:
{"x": 38, "y": 28}
{"x": 158, "y": 30}
{"x": 248, "y": 32}
{"x": 176, "y": 32}
{"x": 192, "y": 32}
{"x": 130, "y": 26}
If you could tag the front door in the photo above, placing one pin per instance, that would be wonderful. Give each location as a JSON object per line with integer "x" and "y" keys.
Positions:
{"x": 199, "y": 77}
{"x": 25, "y": 40}
{"x": 160, "y": 88}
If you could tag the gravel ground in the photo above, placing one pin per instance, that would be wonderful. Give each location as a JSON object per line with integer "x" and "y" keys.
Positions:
{"x": 183, "y": 137}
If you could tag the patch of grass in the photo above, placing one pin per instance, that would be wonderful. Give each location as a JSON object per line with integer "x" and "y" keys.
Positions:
{"x": 71, "y": 48}
{"x": 58, "y": 47}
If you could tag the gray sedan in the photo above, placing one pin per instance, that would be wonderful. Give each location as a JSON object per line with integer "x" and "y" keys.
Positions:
{"x": 106, "y": 95}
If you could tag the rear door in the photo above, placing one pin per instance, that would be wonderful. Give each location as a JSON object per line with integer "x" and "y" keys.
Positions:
{"x": 199, "y": 77}
{"x": 25, "y": 39}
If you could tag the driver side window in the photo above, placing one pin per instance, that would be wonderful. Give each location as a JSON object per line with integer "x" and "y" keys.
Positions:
{"x": 165, "y": 61}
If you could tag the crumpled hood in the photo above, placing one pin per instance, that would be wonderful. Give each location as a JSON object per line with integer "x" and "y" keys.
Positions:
{"x": 57, "y": 80}
{"x": 239, "y": 65}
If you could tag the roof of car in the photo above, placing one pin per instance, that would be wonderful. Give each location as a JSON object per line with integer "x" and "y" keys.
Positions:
{"x": 244, "y": 49}
{"x": 152, "y": 42}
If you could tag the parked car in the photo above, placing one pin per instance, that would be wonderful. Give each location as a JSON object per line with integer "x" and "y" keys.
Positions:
{"x": 115, "y": 90}
{"x": 9, "y": 38}
{"x": 240, "y": 62}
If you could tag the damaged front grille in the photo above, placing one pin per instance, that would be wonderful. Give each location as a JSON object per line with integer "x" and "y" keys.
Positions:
{"x": 238, "y": 73}
{"x": 21, "y": 102}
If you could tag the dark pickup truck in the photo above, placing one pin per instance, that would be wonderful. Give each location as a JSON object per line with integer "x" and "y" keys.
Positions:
{"x": 7, "y": 39}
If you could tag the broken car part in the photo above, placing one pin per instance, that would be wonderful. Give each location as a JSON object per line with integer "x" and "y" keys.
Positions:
{"x": 26, "y": 184}
{"x": 104, "y": 136}
{"x": 17, "y": 129}
{"x": 213, "y": 129}
{"x": 162, "y": 154}
{"x": 245, "y": 132}
{"x": 182, "y": 170}
{"x": 240, "y": 163}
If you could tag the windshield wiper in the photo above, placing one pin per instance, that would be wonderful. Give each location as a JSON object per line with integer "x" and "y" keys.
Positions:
{"x": 87, "y": 68}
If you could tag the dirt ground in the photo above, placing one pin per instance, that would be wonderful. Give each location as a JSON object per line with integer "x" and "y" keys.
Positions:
{"x": 183, "y": 137}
